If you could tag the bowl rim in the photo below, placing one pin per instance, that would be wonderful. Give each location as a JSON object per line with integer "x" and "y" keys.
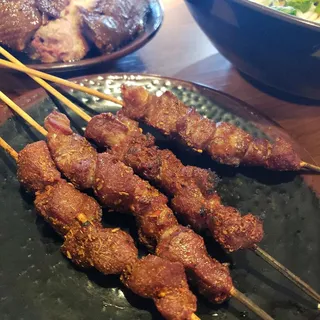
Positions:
{"x": 279, "y": 15}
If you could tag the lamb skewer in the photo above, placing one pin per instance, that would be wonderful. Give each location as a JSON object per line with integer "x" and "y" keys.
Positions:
{"x": 224, "y": 142}
{"x": 229, "y": 230}
{"x": 259, "y": 251}
{"x": 192, "y": 188}
{"x": 158, "y": 225}
{"x": 119, "y": 189}
{"x": 76, "y": 217}
{"x": 254, "y": 157}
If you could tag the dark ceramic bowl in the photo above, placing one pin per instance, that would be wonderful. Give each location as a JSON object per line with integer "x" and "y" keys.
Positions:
{"x": 276, "y": 49}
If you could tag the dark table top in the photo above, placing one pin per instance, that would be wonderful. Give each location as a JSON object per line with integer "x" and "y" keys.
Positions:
{"x": 181, "y": 50}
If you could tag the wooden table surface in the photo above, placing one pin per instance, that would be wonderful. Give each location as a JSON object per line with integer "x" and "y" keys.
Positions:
{"x": 181, "y": 50}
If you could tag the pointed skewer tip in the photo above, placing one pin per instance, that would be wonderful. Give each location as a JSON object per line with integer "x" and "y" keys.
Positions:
{"x": 287, "y": 273}
{"x": 309, "y": 166}
{"x": 249, "y": 304}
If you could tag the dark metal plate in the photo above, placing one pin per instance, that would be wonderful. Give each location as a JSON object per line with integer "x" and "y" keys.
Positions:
{"x": 36, "y": 282}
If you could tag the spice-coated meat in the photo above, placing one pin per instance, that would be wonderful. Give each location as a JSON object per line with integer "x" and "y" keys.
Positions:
{"x": 184, "y": 246}
{"x": 71, "y": 152}
{"x": 36, "y": 170}
{"x": 164, "y": 281}
{"x": 229, "y": 144}
{"x": 61, "y": 203}
{"x": 224, "y": 142}
{"x": 192, "y": 188}
{"x": 138, "y": 150}
{"x": 117, "y": 187}
{"x": 157, "y": 223}
{"x": 231, "y": 229}
{"x": 124, "y": 133}
{"x": 88, "y": 244}
{"x": 197, "y": 131}
{"x": 110, "y": 251}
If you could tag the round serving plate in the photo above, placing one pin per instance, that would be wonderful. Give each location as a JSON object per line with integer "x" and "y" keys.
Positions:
{"x": 151, "y": 26}
{"x": 37, "y": 282}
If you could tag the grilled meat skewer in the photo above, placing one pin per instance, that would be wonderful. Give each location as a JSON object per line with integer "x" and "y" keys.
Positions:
{"x": 118, "y": 188}
{"x": 76, "y": 217}
{"x": 192, "y": 188}
{"x": 224, "y": 142}
{"x": 185, "y": 183}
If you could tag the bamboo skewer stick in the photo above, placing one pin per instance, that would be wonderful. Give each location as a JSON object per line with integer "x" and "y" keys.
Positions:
{"x": 310, "y": 166}
{"x": 14, "y": 155}
{"x": 38, "y": 76}
{"x": 256, "y": 249}
{"x": 22, "y": 114}
{"x": 17, "y": 65}
{"x": 291, "y": 276}
{"x": 234, "y": 292}
{"x": 44, "y": 84}
{"x": 242, "y": 298}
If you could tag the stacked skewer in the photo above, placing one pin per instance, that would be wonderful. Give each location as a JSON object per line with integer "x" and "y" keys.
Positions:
{"x": 158, "y": 228}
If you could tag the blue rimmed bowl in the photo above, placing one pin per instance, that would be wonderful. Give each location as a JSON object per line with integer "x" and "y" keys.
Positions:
{"x": 277, "y": 49}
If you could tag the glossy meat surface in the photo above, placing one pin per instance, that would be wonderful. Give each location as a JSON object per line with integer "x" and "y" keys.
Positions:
{"x": 166, "y": 282}
{"x": 52, "y": 8}
{"x": 62, "y": 39}
{"x": 19, "y": 20}
{"x": 59, "y": 40}
{"x": 112, "y": 23}
{"x": 224, "y": 142}
{"x": 36, "y": 170}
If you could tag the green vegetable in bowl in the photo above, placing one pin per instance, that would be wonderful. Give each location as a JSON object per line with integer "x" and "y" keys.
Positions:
{"x": 317, "y": 10}
{"x": 287, "y": 10}
{"x": 263, "y": 2}
{"x": 302, "y": 5}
